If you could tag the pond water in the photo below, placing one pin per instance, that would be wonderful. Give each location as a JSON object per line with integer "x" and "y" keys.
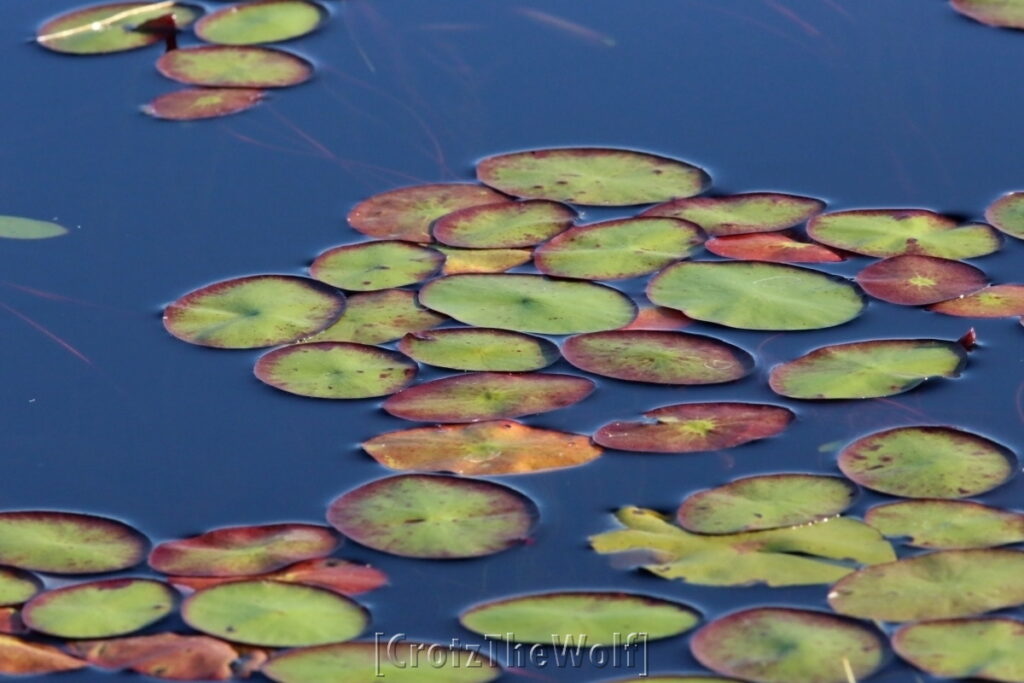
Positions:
{"x": 861, "y": 104}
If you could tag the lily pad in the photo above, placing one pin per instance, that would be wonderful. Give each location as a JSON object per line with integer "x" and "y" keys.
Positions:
{"x": 756, "y": 296}
{"x": 18, "y": 228}
{"x": 868, "y": 369}
{"x": 939, "y": 585}
{"x": 783, "y": 645}
{"x": 502, "y": 225}
{"x": 263, "y": 21}
{"x": 976, "y": 649}
{"x": 771, "y": 247}
{"x": 458, "y": 261}
{"x": 487, "y": 396}
{"x": 1007, "y": 212}
{"x": 379, "y": 317}
{"x": 407, "y": 213}
{"x": 696, "y": 427}
{"x": 482, "y": 449}
{"x": 68, "y": 543}
{"x": 657, "y": 357}
{"x": 102, "y": 29}
{"x": 765, "y": 502}
{"x": 202, "y": 103}
{"x": 893, "y": 232}
{"x": 528, "y": 303}
{"x": 927, "y": 462}
{"x": 461, "y": 348}
{"x": 274, "y": 614}
{"x": 947, "y": 524}
{"x": 376, "y": 265}
{"x": 10, "y": 622}
{"x": 912, "y": 280}
{"x": 222, "y": 66}
{"x": 741, "y": 214}
{"x": 429, "y": 516}
{"x": 997, "y": 301}
{"x": 21, "y": 658}
{"x": 99, "y": 609}
{"x": 162, "y": 655}
{"x": 337, "y": 370}
{"x": 658, "y": 318}
{"x": 18, "y": 586}
{"x": 340, "y": 576}
{"x": 1001, "y": 13}
{"x": 580, "y": 618}
{"x": 682, "y": 678}
{"x": 619, "y": 249}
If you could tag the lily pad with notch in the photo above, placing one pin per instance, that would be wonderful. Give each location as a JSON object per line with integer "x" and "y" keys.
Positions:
{"x": 335, "y": 370}
{"x": 912, "y": 280}
{"x": 115, "y": 27}
{"x": 741, "y": 214}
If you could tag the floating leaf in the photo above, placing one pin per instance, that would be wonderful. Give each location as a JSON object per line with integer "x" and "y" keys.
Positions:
{"x": 947, "y": 524}
{"x": 795, "y": 556}
{"x": 274, "y": 614}
{"x": 582, "y": 618}
{"x": 868, "y": 369}
{"x": 481, "y": 449}
{"x": 11, "y": 624}
{"x": 1007, "y": 212}
{"x": 783, "y": 645}
{"x": 1001, "y": 13}
{"x": 997, "y": 301}
{"x": 927, "y": 462}
{"x": 68, "y": 543}
{"x": 428, "y": 516}
{"x": 18, "y": 228}
{"x": 407, "y": 213}
{"x": 222, "y": 66}
{"x": 502, "y": 225}
{"x": 740, "y": 214}
{"x": 458, "y": 261}
{"x": 912, "y": 280}
{"x": 657, "y": 357}
{"x": 978, "y": 649}
{"x": 528, "y": 303}
{"x": 771, "y": 247}
{"x": 376, "y": 265}
{"x": 678, "y": 679}
{"x": 696, "y": 427}
{"x": 99, "y": 609}
{"x": 892, "y": 232}
{"x": 340, "y": 576}
{"x": 263, "y": 21}
{"x": 487, "y": 396}
{"x": 162, "y": 655}
{"x": 17, "y": 586}
{"x": 461, "y": 348}
{"x": 202, "y": 103}
{"x": 765, "y": 502}
{"x": 335, "y": 370}
{"x": 110, "y": 28}
{"x": 658, "y": 318}
{"x": 756, "y": 296}
{"x": 21, "y": 658}
{"x": 379, "y": 317}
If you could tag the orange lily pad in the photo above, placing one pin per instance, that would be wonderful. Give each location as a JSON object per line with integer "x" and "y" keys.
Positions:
{"x": 997, "y": 301}
{"x": 340, "y": 576}
{"x": 162, "y": 655}
{"x": 771, "y": 246}
{"x": 21, "y": 658}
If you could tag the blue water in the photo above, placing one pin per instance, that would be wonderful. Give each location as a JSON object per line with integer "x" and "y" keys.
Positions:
{"x": 863, "y": 104}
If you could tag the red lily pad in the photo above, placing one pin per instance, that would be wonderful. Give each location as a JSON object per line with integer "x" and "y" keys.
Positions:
{"x": 912, "y": 280}
{"x": 21, "y": 658}
{"x": 102, "y": 29}
{"x": 997, "y": 301}
{"x": 335, "y": 370}
{"x": 1007, "y": 212}
{"x": 202, "y": 103}
{"x": 487, "y": 396}
{"x": 741, "y": 214}
{"x": 658, "y": 318}
{"x": 376, "y": 265}
{"x": 773, "y": 247}
{"x": 893, "y": 232}
{"x": 696, "y": 427}
{"x": 407, "y": 213}
{"x": 68, "y": 543}
{"x": 503, "y": 225}
{"x": 99, "y": 609}
{"x": 340, "y": 576}
{"x": 221, "y": 66}
{"x": 11, "y": 623}
{"x": 378, "y": 318}
{"x": 163, "y": 655}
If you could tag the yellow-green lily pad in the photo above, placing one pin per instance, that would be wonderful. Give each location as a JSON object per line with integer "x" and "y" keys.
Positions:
{"x": 1000, "y": 13}
{"x": 68, "y": 543}
{"x": 947, "y": 524}
{"x": 337, "y": 370}
{"x": 467, "y": 348}
{"x": 262, "y": 21}
{"x": 17, "y": 586}
{"x": 376, "y": 265}
{"x": 1007, "y": 212}
{"x": 102, "y": 29}
{"x": 741, "y": 214}
{"x": 503, "y": 225}
{"x": 378, "y": 318}
{"x": 892, "y": 232}
{"x": 226, "y": 66}
{"x": 99, "y": 609}
{"x": 408, "y": 212}
{"x": 458, "y": 261}
{"x": 977, "y": 649}
{"x": 18, "y": 228}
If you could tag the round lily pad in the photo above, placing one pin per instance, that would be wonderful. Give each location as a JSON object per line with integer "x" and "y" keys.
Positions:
{"x": 488, "y": 396}
{"x": 482, "y": 449}
{"x": 407, "y": 213}
{"x": 19, "y": 657}
{"x": 658, "y": 318}
{"x": 1007, "y": 212}
{"x": 461, "y": 348}
{"x": 99, "y": 609}
{"x": 263, "y": 21}
{"x": 18, "y": 586}
{"x": 68, "y": 543}
{"x": 976, "y": 649}
{"x": 115, "y": 27}
{"x": 620, "y": 249}
{"x": 340, "y": 576}
{"x": 223, "y": 66}
{"x": 584, "y": 618}
{"x": 938, "y": 585}
{"x": 162, "y": 655}
{"x": 912, "y": 280}
{"x": 696, "y": 427}
{"x": 1001, "y": 13}
{"x": 947, "y": 524}
{"x": 502, "y": 225}
{"x": 274, "y": 614}
{"x": 379, "y": 317}
{"x": 869, "y": 369}
{"x": 202, "y": 103}
{"x": 997, "y": 301}
{"x": 765, "y": 502}
{"x": 927, "y": 462}
{"x": 781, "y": 645}
{"x": 18, "y": 228}
{"x": 431, "y": 516}
{"x": 528, "y": 303}
{"x": 335, "y": 370}
{"x": 376, "y": 265}
{"x": 892, "y": 232}
{"x": 458, "y": 261}
{"x": 756, "y": 296}
{"x": 772, "y": 247}
{"x": 740, "y": 214}
{"x": 250, "y": 312}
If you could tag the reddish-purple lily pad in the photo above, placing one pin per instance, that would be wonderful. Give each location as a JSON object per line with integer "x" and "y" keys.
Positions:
{"x": 997, "y": 301}
{"x": 68, "y": 543}
{"x": 378, "y": 318}
{"x": 222, "y": 66}
{"x": 912, "y": 280}
{"x": 773, "y": 247}
{"x": 99, "y": 609}
{"x": 893, "y": 232}
{"x": 407, "y": 213}
{"x": 503, "y": 225}
{"x": 696, "y": 427}
{"x": 376, "y": 265}
{"x": 202, "y": 103}
{"x": 336, "y": 370}
{"x": 741, "y": 214}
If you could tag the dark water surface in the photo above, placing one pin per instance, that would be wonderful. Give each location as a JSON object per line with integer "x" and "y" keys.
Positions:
{"x": 897, "y": 103}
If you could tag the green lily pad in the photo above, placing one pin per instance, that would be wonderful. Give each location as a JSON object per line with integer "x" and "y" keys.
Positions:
{"x": 585, "y": 618}
{"x": 68, "y": 543}
{"x": 461, "y": 348}
{"x": 1007, "y": 212}
{"x": 528, "y": 303}
{"x": 162, "y": 655}
{"x": 18, "y": 586}
{"x": 740, "y": 214}
{"x": 912, "y": 280}
{"x": 481, "y": 449}
{"x": 682, "y": 678}
{"x": 407, "y": 213}
{"x": 756, "y": 296}
{"x": 430, "y": 516}
{"x": 976, "y": 649}
{"x": 274, "y": 614}
{"x": 378, "y": 318}
{"x": 657, "y": 357}
{"x": 1001, "y": 13}
{"x": 109, "y": 28}
{"x": 404, "y": 662}
{"x": 19, "y": 658}
{"x": 487, "y": 396}
{"x": 997, "y": 301}
{"x": 927, "y": 462}
{"x": 947, "y": 524}
{"x": 202, "y": 103}
{"x": 221, "y": 66}
{"x": 18, "y": 228}
{"x": 376, "y": 265}
{"x": 250, "y": 312}
{"x": 765, "y": 502}
{"x": 893, "y": 232}
{"x": 783, "y": 645}
{"x": 338, "y": 370}
{"x": 99, "y": 609}
{"x": 868, "y": 369}
{"x": 458, "y": 261}
{"x": 696, "y": 427}
{"x": 263, "y": 21}
{"x": 502, "y": 225}
{"x": 771, "y": 247}
{"x": 938, "y": 585}
{"x": 340, "y": 576}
